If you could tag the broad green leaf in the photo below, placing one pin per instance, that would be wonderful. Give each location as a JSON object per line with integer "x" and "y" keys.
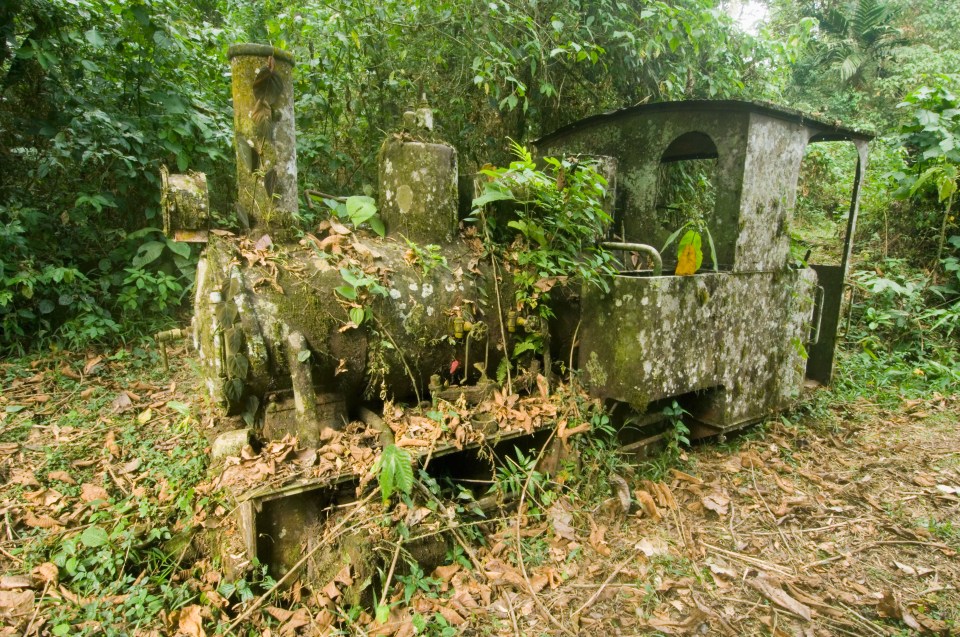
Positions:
{"x": 179, "y": 248}
{"x": 94, "y": 536}
{"x": 360, "y": 208}
{"x": 946, "y": 186}
{"x": 347, "y": 291}
{"x": 93, "y": 37}
{"x": 179, "y": 407}
{"x": 148, "y": 253}
{"x": 395, "y": 472}
{"x": 489, "y": 195}
{"x": 237, "y": 366}
{"x": 357, "y": 315}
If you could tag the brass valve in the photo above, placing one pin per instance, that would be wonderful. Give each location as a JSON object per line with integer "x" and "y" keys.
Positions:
{"x": 529, "y": 322}
{"x": 460, "y": 327}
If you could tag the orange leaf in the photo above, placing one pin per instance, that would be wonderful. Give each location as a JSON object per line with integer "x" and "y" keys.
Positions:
{"x": 687, "y": 261}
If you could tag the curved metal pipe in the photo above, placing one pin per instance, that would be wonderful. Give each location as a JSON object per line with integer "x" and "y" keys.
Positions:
{"x": 638, "y": 247}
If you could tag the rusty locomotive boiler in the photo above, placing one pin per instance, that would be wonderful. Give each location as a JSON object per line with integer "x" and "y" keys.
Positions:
{"x": 302, "y": 334}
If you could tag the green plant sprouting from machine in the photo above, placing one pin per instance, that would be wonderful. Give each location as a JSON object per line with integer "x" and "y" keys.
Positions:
{"x": 690, "y": 246}
{"x": 559, "y": 216}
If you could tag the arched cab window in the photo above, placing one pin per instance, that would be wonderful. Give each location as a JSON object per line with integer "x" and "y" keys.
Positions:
{"x": 687, "y": 191}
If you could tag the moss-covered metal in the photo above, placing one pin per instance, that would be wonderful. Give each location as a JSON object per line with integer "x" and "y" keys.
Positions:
{"x": 409, "y": 337}
{"x": 418, "y": 190}
{"x": 732, "y": 343}
{"x": 735, "y": 338}
{"x": 265, "y": 137}
{"x": 185, "y": 204}
{"x": 279, "y": 344}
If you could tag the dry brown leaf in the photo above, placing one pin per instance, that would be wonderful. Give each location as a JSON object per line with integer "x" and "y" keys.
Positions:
{"x": 111, "y": 444}
{"x": 343, "y": 577}
{"x": 652, "y": 546}
{"x": 891, "y": 607}
{"x": 647, "y": 503}
{"x": 750, "y": 459}
{"x": 775, "y": 629}
{"x": 91, "y": 492}
{"x": 562, "y": 521}
{"x": 661, "y": 493}
{"x": 686, "y": 626}
{"x": 453, "y": 617}
{"x": 732, "y": 465}
{"x": 67, "y": 371}
{"x": 597, "y": 541}
{"x": 298, "y": 619}
{"x": 685, "y": 477}
{"x": 538, "y": 582}
{"x": 935, "y": 626}
{"x": 191, "y": 621}
{"x": 716, "y": 502}
{"x": 718, "y": 569}
{"x": 331, "y": 591}
{"x": 339, "y": 228}
{"x": 93, "y": 366}
{"x": 23, "y": 477}
{"x": 44, "y": 497}
{"x": 16, "y": 603}
{"x": 121, "y": 403}
{"x": 62, "y": 476}
{"x": 47, "y": 573}
{"x": 279, "y": 614}
{"x": 446, "y": 573}
{"x": 41, "y": 521}
{"x": 622, "y": 491}
{"x": 12, "y": 582}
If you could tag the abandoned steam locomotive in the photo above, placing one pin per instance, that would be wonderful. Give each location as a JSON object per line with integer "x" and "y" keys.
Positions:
{"x": 731, "y": 344}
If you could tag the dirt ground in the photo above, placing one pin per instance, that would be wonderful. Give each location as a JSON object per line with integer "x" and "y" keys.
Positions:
{"x": 842, "y": 520}
{"x": 845, "y": 529}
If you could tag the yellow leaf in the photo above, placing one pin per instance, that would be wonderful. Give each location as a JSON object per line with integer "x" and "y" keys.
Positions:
{"x": 145, "y": 416}
{"x": 687, "y": 262}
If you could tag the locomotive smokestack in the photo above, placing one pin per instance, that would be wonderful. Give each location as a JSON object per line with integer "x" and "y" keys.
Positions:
{"x": 265, "y": 137}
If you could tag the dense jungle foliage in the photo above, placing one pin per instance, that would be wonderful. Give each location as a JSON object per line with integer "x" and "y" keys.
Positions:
{"x": 96, "y": 95}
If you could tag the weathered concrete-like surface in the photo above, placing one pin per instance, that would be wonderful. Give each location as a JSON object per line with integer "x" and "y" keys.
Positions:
{"x": 735, "y": 338}
{"x": 186, "y": 206}
{"x": 418, "y": 190}
{"x": 242, "y": 326}
{"x": 265, "y": 137}
{"x": 730, "y": 344}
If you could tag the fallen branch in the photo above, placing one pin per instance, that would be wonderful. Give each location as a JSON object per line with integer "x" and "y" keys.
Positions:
{"x": 870, "y": 545}
{"x": 750, "y": 560}
{"x": 606, "y": 582}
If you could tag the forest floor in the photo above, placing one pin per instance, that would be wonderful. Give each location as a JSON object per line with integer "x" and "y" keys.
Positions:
{"x": 841, "y": 518}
